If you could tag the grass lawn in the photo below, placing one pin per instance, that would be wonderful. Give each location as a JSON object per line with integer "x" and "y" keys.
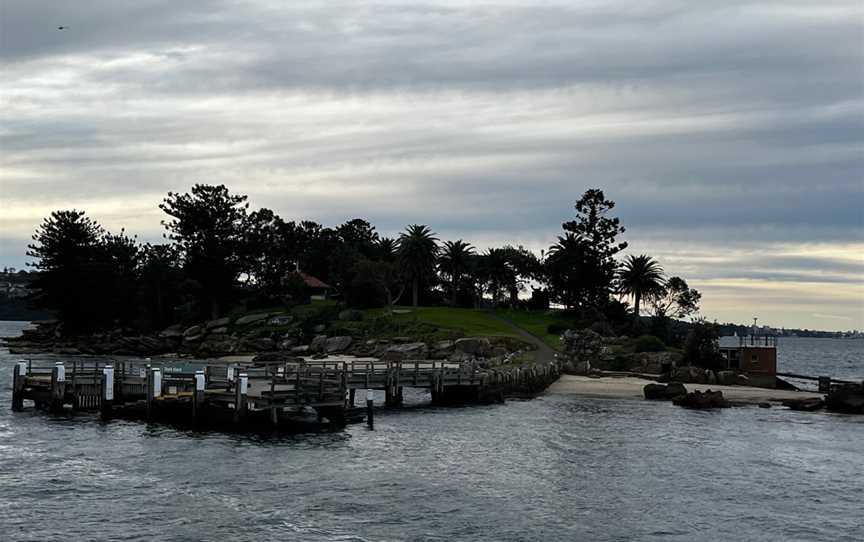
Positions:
{"x": 536, "y": 323}
{"x": 471, "y": 322}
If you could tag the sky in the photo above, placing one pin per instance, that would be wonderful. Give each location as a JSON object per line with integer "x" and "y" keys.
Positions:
{"x": 730, "y": 133}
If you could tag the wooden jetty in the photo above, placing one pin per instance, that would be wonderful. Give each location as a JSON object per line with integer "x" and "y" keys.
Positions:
{"x": 262, "y": 394}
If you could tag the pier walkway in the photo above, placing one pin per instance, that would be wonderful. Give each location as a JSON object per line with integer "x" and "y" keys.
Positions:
{"x": 259, "y": 393}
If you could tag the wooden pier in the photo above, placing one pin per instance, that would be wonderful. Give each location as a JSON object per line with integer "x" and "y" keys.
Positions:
{"x": 255, "y": 395}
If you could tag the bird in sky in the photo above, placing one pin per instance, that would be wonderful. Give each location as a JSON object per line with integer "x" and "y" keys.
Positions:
{"x": 62, "y": 27}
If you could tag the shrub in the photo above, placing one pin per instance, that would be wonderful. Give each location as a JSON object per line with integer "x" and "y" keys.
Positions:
{"x": 648, "y": 343}
{"x": 556, "y": 329}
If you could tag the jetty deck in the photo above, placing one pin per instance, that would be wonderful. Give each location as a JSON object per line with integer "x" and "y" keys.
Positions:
{"x": 246, "y": 395}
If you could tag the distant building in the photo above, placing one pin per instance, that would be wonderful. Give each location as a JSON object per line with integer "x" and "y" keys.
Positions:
{"x": 317, "y": 288}
{"x": 753, "y": 355}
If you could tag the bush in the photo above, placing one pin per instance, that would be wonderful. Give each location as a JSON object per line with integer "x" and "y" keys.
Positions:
{"x": 556, "y": 329}
{"x": 648, "y": 343}
{"x": 701, "y": 348}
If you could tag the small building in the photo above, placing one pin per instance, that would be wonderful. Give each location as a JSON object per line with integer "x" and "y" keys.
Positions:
{"x": 754, "y": 356}
{"x": 317, "y": 288}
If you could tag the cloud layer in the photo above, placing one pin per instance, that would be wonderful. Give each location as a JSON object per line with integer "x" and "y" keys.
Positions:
{"x": 729, "y": 133}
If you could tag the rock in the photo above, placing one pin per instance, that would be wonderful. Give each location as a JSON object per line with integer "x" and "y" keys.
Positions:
{"x": 443, "y": 345}
{"x": 476, "y": 346}
{"x": 317, "y": 344}
{"x": 499, "y": 352}
{"x": 300, "y": 350}
{"x": 172, "y": 332}
{"x": 219, "y": 322}
{"x": 405, "y": 351}
{"x": 577, "y": 367}
{"x": 742, "y": 380}
{"x": 698, "y": 399}
{"x": 281, "y": 320}
{"x": 219, "y": 331}
{"x": 726, "y": 378}
{"x": 192, "y": 331}
{"x": 403, "y": 340}
{"x": 659, "y": 392}
{"x": 710, "y": 377}
{"x": 458, "y": 357}
{"x": 582, "y": 345}
{"x": 251, "y": 318}
{"x": 337, "y": 344}
{"x": 807, "y": 405}
{"x": 260, "y": 344}
{"x": 319, "y": 328}
{"x": 351, "y": 315}
{"x": 270, "y": 356}
{"x": 848, "y": 399}
{"x": 193, "y": 338}
{"x": 764, "y": 405}
{"x": 287, "y": 343}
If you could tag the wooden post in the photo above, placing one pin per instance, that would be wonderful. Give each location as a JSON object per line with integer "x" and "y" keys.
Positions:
{"x": 107, "y": 395}
{"x": 351, "y": 396}
{"x": 198, "y": 396}
{"x": 370, "y": 417}
{"x": 154, "y": 389}
{"x": 19, "y": 380}
{"x": 824, "y": 384}
{"x": 58, "y": 387}
{"x": 241, "y": 390}
{"x": 274, "y": 415}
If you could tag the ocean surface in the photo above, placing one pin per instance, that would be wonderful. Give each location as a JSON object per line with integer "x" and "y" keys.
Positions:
{"x": 557, "y": 468}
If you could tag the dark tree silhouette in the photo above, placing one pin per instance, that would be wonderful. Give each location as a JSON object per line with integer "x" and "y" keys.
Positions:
{"x": 454, "y": 262}
{"x": 641, "y": 278}
{"x": 418, "y": 251}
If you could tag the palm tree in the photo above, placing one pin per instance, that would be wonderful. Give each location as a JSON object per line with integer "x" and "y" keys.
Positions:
{"x": 418, "y": 250}
{"x": 387, "y": 249}
{"x": 454, "y": 262}
{"x": 640, "y": 277}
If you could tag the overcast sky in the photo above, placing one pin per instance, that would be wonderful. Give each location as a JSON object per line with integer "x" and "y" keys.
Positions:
{"x": 730, "y": 133}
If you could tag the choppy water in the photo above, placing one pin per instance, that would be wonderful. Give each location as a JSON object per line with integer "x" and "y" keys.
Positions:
{"x": 559, "y": 468}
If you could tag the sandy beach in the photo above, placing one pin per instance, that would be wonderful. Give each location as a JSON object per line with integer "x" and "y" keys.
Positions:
{"x": 631, "y": 388}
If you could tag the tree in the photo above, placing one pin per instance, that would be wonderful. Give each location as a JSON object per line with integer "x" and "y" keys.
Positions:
{"x": 525, "y": 266}
{"x": 418, "y": 251}
{"x": 641, "y": 278}
{"x": 676, "y": 300}
{"x": 66, "y": 247}
{"x": 582, "y": 266}
{"x": 160, "y": 286}
{"x": 701, "y": 348}
{"x": 454, "y": 263}
{"x": 209, "y": 226}
{"x": 495, "y": 273}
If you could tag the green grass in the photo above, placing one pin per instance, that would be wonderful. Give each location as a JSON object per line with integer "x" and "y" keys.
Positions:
{"x": 469, "y": 321}
{"x": 536, "y": 323}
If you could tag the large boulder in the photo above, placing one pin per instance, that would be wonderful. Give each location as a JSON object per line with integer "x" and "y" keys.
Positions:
{"x": 261, "y": 344}
{"x": 660, "y": 392}
{"x": 219, "y": 322}
{"x": 337, "y": 344}
{"x": 172, "y": 332}
{"x": 807, "y": 405}
{"x": 849, "y": 399}
{"x": 699, "y": 400}
{"x": 251, "y": 318}
{"x": 687, "y": 373}
{"x": 193, "y": 331}
{"x": 727, "y": 378}
{"x": 742, "y": 380}
{"x": 476, "y": 346}
{"x": 280, "y": 320}
{"x": 317, "y": 344}
{"x": 405, "y": 351}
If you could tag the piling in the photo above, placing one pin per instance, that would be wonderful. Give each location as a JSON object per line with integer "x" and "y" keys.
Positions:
{"x": 198, "y": 395}
{"x": 107, "y": 395}
{"x": 241, "y": 390}
{"x": 58, "y": 387}
{"x": 370, "y": 413}
{"x": 19, "y": 379}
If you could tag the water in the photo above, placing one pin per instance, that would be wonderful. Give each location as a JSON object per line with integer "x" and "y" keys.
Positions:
{"x": 559, "y": 468}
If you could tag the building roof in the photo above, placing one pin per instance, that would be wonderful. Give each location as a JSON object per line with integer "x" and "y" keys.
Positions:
{"x": 314, "y": 282}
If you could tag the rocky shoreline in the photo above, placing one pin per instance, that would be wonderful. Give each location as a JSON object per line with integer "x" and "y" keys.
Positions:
{"x": 274, "y": 334}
